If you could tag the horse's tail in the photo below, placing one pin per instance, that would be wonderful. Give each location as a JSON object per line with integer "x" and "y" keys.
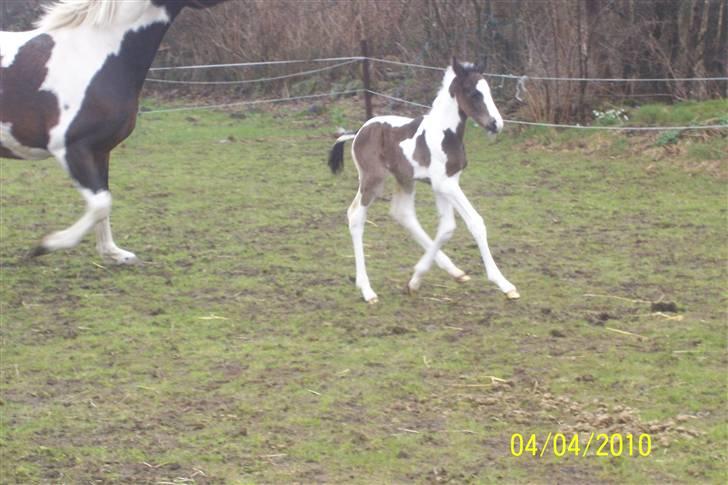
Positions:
{"x": 336, "y": 156}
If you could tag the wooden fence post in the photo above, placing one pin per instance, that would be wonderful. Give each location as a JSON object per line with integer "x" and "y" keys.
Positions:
{"x": 366, "y": 79}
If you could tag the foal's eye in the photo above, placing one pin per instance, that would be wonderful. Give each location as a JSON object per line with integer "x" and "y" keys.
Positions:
{"x": 475, "y": 94}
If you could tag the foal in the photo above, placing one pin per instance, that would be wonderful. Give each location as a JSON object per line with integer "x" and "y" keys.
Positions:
{"x": 428, "y": 148}
{"x": 70, "y": 89}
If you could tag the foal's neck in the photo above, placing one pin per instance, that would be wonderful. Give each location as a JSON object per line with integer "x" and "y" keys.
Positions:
{"x": 445, "y": 112}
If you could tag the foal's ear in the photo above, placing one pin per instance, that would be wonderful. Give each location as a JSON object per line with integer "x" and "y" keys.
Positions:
{"x": 457, "y": 67}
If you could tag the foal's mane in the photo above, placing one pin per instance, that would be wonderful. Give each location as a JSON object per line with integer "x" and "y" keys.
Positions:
{"x": 63, "y": 14}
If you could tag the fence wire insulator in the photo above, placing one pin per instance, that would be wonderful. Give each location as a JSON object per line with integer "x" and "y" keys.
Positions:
{"x": 521, "y": 87}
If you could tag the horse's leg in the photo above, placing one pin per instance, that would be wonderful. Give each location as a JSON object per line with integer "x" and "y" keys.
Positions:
{"x": 476, "y": 225}
{"x": 403, "y": 211}
{"x": 445, "y": 229}
{"x": 357, "y": 219}
{"x": 104, "y": 241}
{"x": 81, "y": 163}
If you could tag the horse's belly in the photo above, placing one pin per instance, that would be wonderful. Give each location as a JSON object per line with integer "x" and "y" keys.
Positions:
{"x": 26, "y": 111}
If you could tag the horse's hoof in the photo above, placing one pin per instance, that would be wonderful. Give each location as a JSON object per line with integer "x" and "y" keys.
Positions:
{"x": 513, "y": 295}
{"x": 463, "y": 278}
{"x": 373, "y": 301}
{"x": 39, "y": 250}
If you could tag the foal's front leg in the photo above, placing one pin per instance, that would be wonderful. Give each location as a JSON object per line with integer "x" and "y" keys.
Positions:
{"x": 445, "y": 229}
{"x": 403, "y": 211}
{"x": 476, "y": 225}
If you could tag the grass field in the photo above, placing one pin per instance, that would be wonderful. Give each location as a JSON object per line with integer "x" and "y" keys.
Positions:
{"x": 241, "y": 352}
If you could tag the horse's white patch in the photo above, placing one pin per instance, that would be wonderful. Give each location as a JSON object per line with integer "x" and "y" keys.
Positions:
{"x": 8, "y": 141}
{"x": 10, "y": 44}
{"x": 98, "y": 207}
{"x": 484, "y": 89}
{"x": 107, "y": 248}
{"x": 94, "y": 45}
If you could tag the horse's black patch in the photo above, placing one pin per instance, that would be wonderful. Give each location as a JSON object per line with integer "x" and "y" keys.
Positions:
{"x": 109, "y": 109}
{"x": 30, "y": 111}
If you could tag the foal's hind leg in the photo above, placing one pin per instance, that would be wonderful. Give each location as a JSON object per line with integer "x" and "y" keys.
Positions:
{"x": 104, "y": 241}
{"x": 357, "y": 219}
{"x": 403, "y": 211}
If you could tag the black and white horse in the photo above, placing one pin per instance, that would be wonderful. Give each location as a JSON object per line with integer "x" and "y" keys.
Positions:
{"x": 70, "y": 89}
{"x": 427, "y": 148}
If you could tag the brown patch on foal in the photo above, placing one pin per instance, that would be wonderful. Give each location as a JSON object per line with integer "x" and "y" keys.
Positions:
{"x": 422, "y": 151}
{"x": 31, "y": 112}
{"x": 452, "y": 145}
{"x": 377, "y": 152}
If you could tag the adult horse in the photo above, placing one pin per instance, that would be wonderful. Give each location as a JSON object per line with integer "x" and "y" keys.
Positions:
{"x": 70, "y": 89}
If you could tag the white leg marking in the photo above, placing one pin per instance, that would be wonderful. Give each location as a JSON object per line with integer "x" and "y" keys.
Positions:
{"x": 98, "y": 206}
{"x": 357, "y": 218}
{"x": 107, "y": 248}
{"x": 476, "y": 225}
{"x": 445, "y": 229}
{"x": 403, "y": 211}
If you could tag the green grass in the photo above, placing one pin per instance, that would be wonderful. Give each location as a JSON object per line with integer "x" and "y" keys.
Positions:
{"x": 685, "y": 112}
{"x": 241, "y": 352}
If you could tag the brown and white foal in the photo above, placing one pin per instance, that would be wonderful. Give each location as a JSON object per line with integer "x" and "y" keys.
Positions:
{"x": 428, "y": 148}
{"x": 70, "y": 89}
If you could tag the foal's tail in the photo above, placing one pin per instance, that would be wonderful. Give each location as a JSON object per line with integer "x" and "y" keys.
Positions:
{"x": 336, "y": 156}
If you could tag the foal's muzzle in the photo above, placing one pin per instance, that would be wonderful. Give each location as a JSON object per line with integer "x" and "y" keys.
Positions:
{"x": 493, "y": 125}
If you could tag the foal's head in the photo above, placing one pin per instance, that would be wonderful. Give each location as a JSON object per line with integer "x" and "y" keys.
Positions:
{"x": 472, "y": 93}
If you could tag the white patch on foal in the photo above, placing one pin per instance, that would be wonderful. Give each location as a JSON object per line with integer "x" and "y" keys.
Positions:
{"x": 484, "y": 89}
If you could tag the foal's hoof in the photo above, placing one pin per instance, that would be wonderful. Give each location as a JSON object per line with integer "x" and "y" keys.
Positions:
{"x": 513, "y": 295}
{"x": 369, "y": 296}
{"x": 120, "y": 257}
{"x": 463, "y": 278}
{"x": 39, "y": 250}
